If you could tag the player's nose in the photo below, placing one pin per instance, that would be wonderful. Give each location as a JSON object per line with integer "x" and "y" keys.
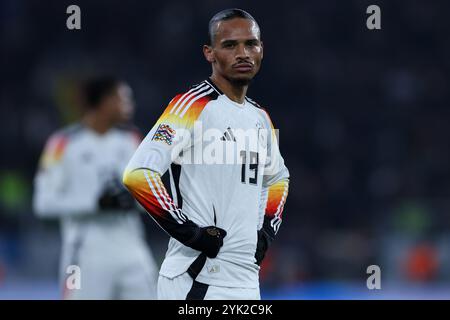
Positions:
{"x": 242, "y": 52}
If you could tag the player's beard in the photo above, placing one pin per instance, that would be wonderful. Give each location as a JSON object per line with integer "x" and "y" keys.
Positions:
{"x": 240, "y": 82}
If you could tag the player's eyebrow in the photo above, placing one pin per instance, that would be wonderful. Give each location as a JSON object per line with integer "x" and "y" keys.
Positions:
{"x": 252, "y": 41}
{"x": 226, "y": 42}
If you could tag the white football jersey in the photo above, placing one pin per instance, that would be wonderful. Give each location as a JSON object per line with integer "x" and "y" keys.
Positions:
{"x": 76, "y": 165}
{"x": 222, "y": 158}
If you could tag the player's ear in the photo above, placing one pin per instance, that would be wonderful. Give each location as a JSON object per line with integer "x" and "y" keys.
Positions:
{"x": 208, "y": 52}
{"x": 262, "y": 50}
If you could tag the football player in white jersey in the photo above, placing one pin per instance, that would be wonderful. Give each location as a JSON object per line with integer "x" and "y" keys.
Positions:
{"x": 227, "y": 192}
{"x": 79, "y": 182}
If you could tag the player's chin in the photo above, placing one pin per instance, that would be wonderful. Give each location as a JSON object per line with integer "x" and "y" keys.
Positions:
{"x": 242, "y": 79}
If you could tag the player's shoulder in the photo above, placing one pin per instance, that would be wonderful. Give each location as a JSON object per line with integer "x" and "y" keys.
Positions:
{"x": 253, "y": 103}
{"x": 194, "y": 99}
{"x": 205, "y": 88}
{"x": 260, "y": 109}
{"x": 66, "y": 134}
{"x": 57, "y": 143}
{"x": 70, "y": 131}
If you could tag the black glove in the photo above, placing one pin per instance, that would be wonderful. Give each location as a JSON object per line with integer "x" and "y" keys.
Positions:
{"x": 208, "y": 240}
{"x": 264, "y": 241}
{"x": 116, "y": 197}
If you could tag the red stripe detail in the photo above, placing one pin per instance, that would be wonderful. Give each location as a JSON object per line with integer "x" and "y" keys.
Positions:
{"x": 167, "y": 196}
{"x": 159, "y": 192}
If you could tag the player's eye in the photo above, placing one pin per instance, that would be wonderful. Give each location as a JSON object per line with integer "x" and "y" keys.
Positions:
{"x": 228, "y": 45}
{"x": 252, "y": 43}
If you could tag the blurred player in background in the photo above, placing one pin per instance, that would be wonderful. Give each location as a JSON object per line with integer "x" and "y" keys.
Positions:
{"x": 79, "y": 182}
{"x": 221, "y": 216}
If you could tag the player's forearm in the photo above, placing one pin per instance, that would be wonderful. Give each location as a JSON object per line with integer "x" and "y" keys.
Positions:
{"x": 276, "y": 198}
{"x": 148, "y": 189}
{"x": 275, "y": 195}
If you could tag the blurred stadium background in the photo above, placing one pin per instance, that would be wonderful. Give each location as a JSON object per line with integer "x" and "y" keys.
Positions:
{"x": 363, "y": 118}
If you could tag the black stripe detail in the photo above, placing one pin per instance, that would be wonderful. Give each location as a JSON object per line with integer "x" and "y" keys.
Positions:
{"x": 256, "y": 104}
{"x": 212, "y": 84}
{"x": 198, "y": 291}
{"x": 213, "y": 95}
{"x": 176, "y": 173}
{"x": 165, "y": 178}
{"x": 231, "y": 133}
{"x": 198, "y": 85}
{"x": 196, "y": 267}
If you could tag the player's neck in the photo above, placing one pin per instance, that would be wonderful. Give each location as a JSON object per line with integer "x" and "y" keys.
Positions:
{"x": 96, "y": 122}
{"x": 235, "y": 92}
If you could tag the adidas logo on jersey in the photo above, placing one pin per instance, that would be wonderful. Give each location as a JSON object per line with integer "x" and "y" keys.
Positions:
{"x": 228, "y": 135}
{"x": 214, "y": 269}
